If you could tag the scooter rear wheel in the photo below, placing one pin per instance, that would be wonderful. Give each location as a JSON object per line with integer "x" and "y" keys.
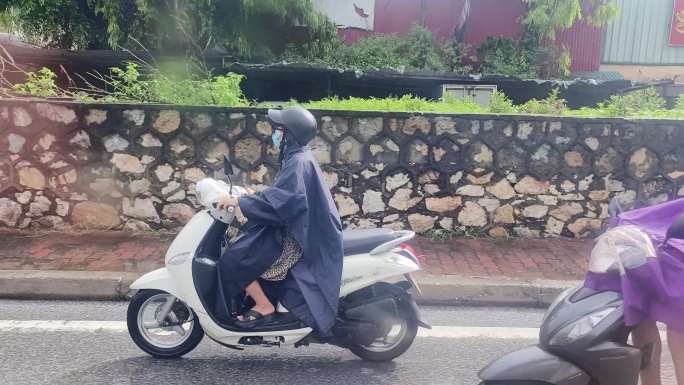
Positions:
{"x": 389, "y": 347}
{"x": 179, "y": 332}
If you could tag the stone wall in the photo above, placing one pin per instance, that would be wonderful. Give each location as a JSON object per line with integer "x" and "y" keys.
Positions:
{"x": 134, "y": 167}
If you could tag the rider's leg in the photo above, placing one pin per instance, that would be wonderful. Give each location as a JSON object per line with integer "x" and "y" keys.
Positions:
{"x": 675, "y": 341}
{"x": 262, "y": 304}
{"x": 647, "y": 333}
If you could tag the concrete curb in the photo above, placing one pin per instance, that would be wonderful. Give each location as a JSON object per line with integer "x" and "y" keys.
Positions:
{"x": 436, "y": 290}
{"x": 456, "y": 290}
{"x": 65, "y": 285}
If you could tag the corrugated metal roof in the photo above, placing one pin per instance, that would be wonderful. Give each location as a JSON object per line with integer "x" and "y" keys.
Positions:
{"x": 640, "y": 34}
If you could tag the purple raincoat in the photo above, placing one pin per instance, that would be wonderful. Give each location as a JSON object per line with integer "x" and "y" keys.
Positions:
{"x": 650, "y": 275}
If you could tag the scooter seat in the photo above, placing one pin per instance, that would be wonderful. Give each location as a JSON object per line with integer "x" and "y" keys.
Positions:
{"x": 363, "y": 241}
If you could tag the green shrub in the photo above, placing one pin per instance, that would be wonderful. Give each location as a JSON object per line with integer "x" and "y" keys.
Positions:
{"x": 375, "y": 52}
{"x": 552, "y": 105}
{"x": 644, "y": 102}
{"x": 680, "y": 102}
{"x": 422, "y": 50}
{"x": 501, "y": 104}
{"x": 128, "y": 84}
{"x": 635, "y": 102}
{"x": 465, "y": 105}
{"x": 41, "y": 84}
{"x": 418, "y": 50}
{"x": 505, "y": 56}
{"x": 454, "y": 54}
{"x": 406, "y": 103}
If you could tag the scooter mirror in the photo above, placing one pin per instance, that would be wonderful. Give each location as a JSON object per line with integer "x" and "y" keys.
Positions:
{"x": 676, "y": 230}
{"x": 227, "y": 166}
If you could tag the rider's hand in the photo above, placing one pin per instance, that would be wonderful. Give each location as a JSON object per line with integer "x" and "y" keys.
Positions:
{"x": 227, "y": 201}
{"x": 249, "y": 190}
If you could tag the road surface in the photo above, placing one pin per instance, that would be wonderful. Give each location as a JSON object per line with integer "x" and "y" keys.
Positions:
{"x": 38, "y": 347}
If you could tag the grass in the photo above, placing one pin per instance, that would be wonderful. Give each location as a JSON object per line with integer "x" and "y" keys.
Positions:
{"x": 128, "y": 84}
{"x": 442, "y": 235}
{"x": 406, "y": 103}
{"x": 640, "y": 104}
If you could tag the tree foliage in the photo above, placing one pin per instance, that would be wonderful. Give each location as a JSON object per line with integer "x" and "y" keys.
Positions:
{"x": 547, "y": 17}
{"x": 263, "y": 31}
{"x": 244, "y": 28}
{"x": 57, "y": 23}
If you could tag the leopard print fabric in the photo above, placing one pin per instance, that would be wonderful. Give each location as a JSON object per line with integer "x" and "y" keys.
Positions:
{"x": 290, "y": 255}
{"x": 288, "y": 258}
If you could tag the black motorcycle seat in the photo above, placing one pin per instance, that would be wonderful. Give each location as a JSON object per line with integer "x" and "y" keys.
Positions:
{"x": 363, "y": 241}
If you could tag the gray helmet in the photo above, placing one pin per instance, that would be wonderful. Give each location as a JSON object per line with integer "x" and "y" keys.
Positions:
{"x": 297, "y": 121}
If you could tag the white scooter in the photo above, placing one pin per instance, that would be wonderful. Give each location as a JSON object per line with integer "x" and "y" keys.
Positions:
{"x": 173, "y": 306}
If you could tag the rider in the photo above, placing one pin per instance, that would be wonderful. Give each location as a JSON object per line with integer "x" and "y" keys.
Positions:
{"x": 652, "y": 289}
{"x": 293, "y": 225}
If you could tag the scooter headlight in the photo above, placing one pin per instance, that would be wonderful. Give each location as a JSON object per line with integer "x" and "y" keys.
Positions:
{"x": 581, "y": 327}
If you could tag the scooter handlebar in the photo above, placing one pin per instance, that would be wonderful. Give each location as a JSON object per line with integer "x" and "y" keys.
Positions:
{"x": 210, "y": 191}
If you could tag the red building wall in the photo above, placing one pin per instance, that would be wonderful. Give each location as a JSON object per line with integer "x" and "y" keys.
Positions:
{"x": 442, "y": 16}
{"x": 396, "y": 16}
{"x": 493, "y": 18}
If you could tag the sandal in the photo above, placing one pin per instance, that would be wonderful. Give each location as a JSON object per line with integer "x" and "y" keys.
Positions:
{"x": 253, "y": 318}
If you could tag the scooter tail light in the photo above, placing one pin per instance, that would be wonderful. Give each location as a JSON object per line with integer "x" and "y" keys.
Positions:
{"x": 407, "y": 248}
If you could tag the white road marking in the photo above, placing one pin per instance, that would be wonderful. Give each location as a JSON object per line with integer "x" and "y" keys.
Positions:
{"x": 38, "y": 326}
{"x": 479, "y": 332}
{"x": 455, "y": 332}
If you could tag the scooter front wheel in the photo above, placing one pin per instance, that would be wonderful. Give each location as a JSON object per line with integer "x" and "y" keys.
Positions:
{"x": 161, "y": 325}
{"x": 395, "y": 342}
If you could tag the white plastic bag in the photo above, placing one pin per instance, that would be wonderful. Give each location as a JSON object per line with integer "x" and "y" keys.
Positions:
{"x": 620, "y": 249}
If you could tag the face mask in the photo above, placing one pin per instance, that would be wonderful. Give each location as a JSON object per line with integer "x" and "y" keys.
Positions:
{"x": 277, "y": 138}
